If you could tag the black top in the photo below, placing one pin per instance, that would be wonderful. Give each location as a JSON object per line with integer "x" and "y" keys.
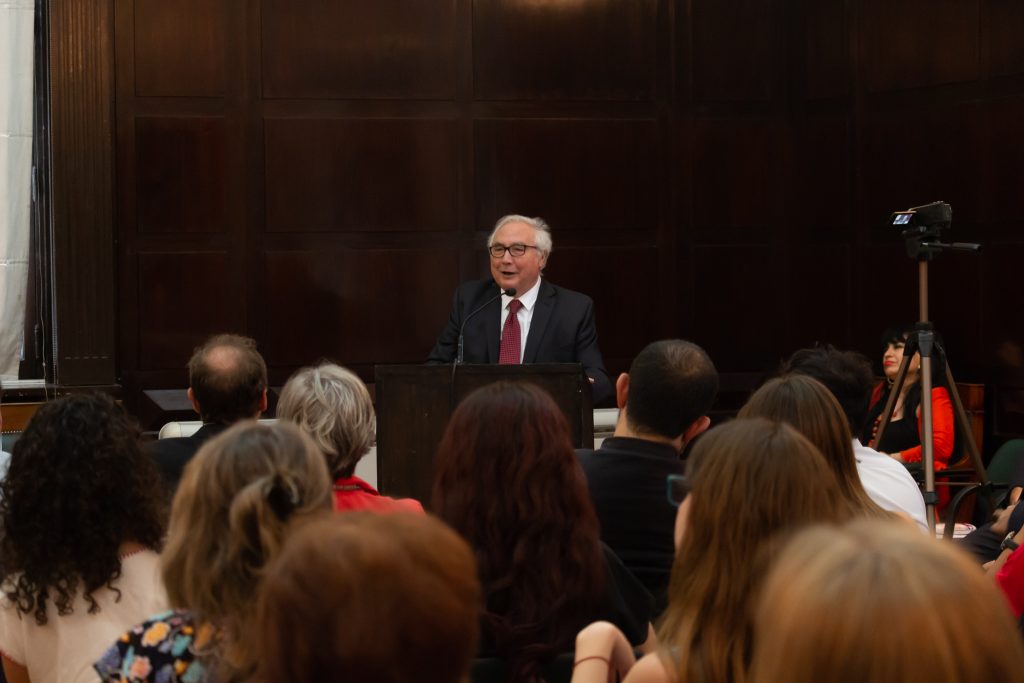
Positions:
{"x": 626, "y": 477}
{"x": 172, "y": 455}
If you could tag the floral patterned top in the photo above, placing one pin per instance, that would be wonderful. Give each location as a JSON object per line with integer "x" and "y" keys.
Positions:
{"x": 163, "y": 649}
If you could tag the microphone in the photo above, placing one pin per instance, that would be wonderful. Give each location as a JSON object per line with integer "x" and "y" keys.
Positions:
{"x": 462, "y": 328}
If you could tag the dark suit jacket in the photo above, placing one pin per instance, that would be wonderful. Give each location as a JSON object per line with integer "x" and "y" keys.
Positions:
{"x": 626, "y": 478}
{"x": 561, "y": 331}
{"x": 172, "y": 455}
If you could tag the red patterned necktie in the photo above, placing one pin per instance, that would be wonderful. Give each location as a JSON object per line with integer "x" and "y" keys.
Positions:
{"x": 511, "y": 335}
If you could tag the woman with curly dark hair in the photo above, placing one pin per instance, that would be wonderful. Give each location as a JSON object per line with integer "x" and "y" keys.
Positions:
{"x": 80, "y": 525}
{"x": 507, "y": 479}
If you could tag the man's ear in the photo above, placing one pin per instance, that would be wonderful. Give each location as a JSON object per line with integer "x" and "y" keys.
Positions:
{"x": 193, "y": 401}
{"x": 263, "y": 401}
{"x": 699, "y": 426}
{"x": 621, "y": 390}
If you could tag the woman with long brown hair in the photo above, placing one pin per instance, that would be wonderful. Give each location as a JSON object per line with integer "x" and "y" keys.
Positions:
{"x": 507, "y": 479}
{"x": 750, "y": 482}
{"x": 805, "y": 404}
{"x": 236, "y": 500}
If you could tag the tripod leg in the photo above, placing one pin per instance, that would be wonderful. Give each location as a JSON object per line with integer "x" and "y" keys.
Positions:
{"x": 965, "y": 428}
{"x": 894, "y": 393}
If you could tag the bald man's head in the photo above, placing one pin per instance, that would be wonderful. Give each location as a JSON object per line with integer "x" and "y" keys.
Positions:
{"x": 228, "y": 378}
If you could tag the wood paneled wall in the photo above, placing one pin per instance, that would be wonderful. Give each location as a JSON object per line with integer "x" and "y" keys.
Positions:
{"x": 321, "y": 175}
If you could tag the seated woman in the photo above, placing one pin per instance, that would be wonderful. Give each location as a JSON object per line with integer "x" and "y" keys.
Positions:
{"x": 876, "y": 601}
{"x": 805, "y": 404}
{"x": 751, "y": 481}
{"x": 331, "y": 404}
{"x": 81, "y": 524}
{"x": 229, "y": 518}
{"x": 902, "y": 437}
{"x": 507, "y": 479}
{"x": 395, "y": 599}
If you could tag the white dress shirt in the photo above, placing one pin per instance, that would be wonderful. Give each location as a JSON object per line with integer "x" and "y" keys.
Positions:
{"x": 525, "y": 314}
{"x": 889, "y": 484}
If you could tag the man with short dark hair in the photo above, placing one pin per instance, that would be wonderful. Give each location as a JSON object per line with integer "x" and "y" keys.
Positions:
{"x": 848, "y": 376}
{"x": 227, "y": 383}
{"x": 663, "y": 403}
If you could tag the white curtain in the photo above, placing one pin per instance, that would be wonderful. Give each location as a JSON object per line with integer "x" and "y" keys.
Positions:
{"x": 16, "y": 38}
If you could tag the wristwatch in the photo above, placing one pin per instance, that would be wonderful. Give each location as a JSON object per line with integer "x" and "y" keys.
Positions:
{"x": 1008, "y": 542}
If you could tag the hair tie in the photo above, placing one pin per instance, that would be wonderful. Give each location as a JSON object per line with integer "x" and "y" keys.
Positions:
{"x": 282, "y": 496}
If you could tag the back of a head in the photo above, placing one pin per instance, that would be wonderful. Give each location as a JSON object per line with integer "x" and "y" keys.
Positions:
{"x": 507, "y": 479}
{"x": 751, "y": 480}
{"x": 805, "y": 404}
{"x": 227, "y": 376}
{"x": 230, "y": 514}
{"x": 878, "y": 601}
{"x": 672, "y": 383}
{"x": 363, "y": 597}
{"x": 846, "y": 374}
{"x": 332, "y": 405}
{"x": 78, "y": 486}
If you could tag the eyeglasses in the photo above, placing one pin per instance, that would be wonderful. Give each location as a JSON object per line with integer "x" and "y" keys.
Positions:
{"x": 676, "y": 489}
{"x": 498, "y": 250}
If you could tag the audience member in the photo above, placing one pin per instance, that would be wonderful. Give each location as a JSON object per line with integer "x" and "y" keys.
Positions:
{"x": 806, "y": 405}
{"x": 507, "y": 479}
{"x": 332, "y": 405}
{"x": 236, "y": 500}
{"x": 875, "y": 601}
{"x": 663, "y": 403}
{"x": 78, "y": 538}
{"x": 902, "y": 438}
{"x": 848, "y": 376}
{"x": 363, "y": 597}
{"x": 227, "y": 383}
{"x": 750, "y": 481}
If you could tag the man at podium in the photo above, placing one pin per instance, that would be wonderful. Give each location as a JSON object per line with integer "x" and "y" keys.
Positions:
{"x": 518, "y": 316}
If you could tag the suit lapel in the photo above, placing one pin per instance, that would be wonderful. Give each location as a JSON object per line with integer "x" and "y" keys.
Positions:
{"x": 538, "y": 324}
{"x": 490, "y": 317}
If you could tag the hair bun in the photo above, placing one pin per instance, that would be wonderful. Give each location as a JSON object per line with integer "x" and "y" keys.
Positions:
{"x": 282, "y": 495}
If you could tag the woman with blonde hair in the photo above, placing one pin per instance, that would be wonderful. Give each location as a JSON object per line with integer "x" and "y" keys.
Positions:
{"x": 332, "y": 405}
{"x": 749, "y": 482}
{"x": 230, "y": 513}
{"x": 876, "y": 601}
{"x": 807, "y": 405}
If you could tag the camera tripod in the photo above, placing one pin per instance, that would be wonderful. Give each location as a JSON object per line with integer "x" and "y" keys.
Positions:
{"x": 926, "y": 222}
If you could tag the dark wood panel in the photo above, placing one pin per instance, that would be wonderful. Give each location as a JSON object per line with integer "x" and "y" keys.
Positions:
{"x": 579, "y": 50}
{"x": 180, "y": 47}
{"x": 182, "y": 171}
{"x": 1004, "y": 180}
{"x": 82, "y": 143}
{"x": 578, "y": 175}
{"x": 625, "y": 287}
{"x": 739, "y": 171}
{"x": 914, "y": 157}
{"x": 918, "y": 43}
{"x": 1000, "y": 303}
{"x": 356, "y": 306}
{"x": 735, "y": 55}
{"x": 820, "y": 190}
{"x": 385, "y": 48}
{"x": 828, "y": 59}
{"x": 341, "y": 175}
{"x": 1004, "y": 27}
{"x": 184, "y": 298}
{"x": 816, "y": 302}
{"x": 736, "y": 307}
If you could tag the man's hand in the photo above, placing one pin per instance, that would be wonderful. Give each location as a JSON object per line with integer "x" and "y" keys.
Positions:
{"x": 1002, "y": 519}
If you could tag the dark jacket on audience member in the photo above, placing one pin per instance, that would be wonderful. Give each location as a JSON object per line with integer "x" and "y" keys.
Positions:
{"x": 626, "y": 477}
{"x": 172, "y": 455}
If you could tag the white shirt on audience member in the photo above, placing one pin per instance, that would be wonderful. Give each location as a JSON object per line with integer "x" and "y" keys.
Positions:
{"x": 889, "y": 484}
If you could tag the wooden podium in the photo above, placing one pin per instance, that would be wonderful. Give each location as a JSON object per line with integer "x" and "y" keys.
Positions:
{"x": 414, "y": 403}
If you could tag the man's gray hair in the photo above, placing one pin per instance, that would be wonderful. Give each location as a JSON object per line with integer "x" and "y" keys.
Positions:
{"x": 543, "y": 235}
